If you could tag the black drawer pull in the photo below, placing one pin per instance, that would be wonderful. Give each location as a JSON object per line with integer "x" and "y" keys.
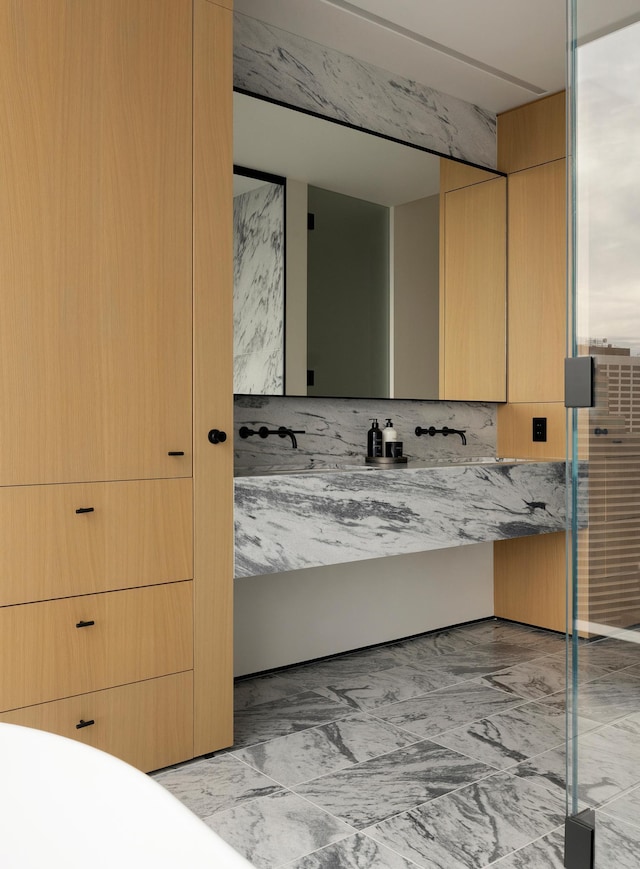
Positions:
{"x": 176, "y": 453}
{"x": 82, "y": 624}
{"x": 85, "y": 509}
{"x": 82, "y": 723}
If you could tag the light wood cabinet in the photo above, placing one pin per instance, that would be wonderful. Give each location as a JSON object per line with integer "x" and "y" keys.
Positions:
{"x": 148, "y": 724}
{"x": 63, "y": 647}
{"x": 95, "y": 240}
{"x": 537, "y": 283}
{"x": 473, "y": 293}
{"x": 91, "y": 537}
{"x": 115, "y": 363}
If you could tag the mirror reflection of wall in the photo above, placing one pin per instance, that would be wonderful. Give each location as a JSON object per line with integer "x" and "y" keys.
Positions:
{"x": 258, "y": 286}
{"x": 390, "y": 335}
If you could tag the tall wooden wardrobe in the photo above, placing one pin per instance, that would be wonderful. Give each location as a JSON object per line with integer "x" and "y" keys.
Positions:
{"x": 116, "y": 535}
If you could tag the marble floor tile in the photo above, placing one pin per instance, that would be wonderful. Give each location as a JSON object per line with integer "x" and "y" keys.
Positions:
{"x": 208, "y": 786}
{"x": 508, "y": 738}
{"x": 437, "y": 645}
{"x": 606, "y": 698}
{"x": 356, "y": 852}
{"x": 617, "y": 843}
{"x": 287, "y": 715}
{"x": 262, "y": 689}
{"x": 474, "y": 826}
{"x": 544, "y": 853}
{"x": 495, "y": 630}
{"x": 376, "y": 789}
{"x": 607, "y": 654}
{"x": 277, "y": 829}
{"x": 321, "y": 750}
{"x": 608, "y": 764}
{"x": 539, "y": 677}
{"x": 625, "y": 808}
{"x": 447, "y": 708}
{"x": 483, "y": 659}
{"x": 373, "y": 690}
{"x": 331, "y": 670}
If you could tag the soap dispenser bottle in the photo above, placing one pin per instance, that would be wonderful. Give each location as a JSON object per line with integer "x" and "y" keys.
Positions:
{"x": 389, "y": 435}
{"x": 374, "y": 440}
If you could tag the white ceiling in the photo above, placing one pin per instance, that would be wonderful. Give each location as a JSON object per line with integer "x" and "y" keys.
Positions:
{"x": 494, "y": 53}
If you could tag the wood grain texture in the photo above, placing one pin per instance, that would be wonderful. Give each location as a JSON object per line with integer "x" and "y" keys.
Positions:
{"x": 515, "y": 429}
{"x": 532, "y": 134}
{"x": 139, "y": 533}
{"x": 138, "y": 634}
{"x": 454, "y": 175}
{"x": 148, "y": 724}
{"x": 213, "y": 379}
{"x": 95, "y": 239}
{"x": 537, "y": 283}
{"x": 529, "y": 580}
{"x": 473, "y": 339}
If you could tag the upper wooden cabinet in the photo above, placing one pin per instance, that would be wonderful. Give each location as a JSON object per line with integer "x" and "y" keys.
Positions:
{"x": 473, "y": 292}
{"x": 537, "y": 283}
{"x": 532, "y": 134}
{"x": 95, "y": 239}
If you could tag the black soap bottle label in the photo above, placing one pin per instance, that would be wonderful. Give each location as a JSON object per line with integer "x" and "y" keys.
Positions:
{"x": 374, "y": 440}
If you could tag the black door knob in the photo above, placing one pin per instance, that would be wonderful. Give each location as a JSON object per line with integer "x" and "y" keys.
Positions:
{"x": 216, "y": 436}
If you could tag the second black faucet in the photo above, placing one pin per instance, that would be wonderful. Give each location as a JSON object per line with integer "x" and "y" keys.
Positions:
{"x": 264, "y": 432}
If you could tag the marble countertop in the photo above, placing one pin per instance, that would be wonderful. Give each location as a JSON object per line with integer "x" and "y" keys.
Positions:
{"x": 288, "y": 521}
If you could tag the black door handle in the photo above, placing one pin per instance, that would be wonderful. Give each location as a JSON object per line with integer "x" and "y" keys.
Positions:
{"x": 82, "y": 624}
{"x": 216, "y": 436}
{"x": 85, "y": 510}
{"x": 82, "y": 723}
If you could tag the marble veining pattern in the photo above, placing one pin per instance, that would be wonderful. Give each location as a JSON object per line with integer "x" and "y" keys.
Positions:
{"x": 258, "y": 290}
{"x": 371, "y": 791}
{"x": 351, "y": 764}
{"x": 318, "y": 751}
{"x": 473, "y": 826}
{"x": 291, "y": 522}
{"x": 290, "y": 69}
{"x": 335, "y": 430}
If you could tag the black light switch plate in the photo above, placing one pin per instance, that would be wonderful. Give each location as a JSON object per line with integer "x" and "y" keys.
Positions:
{"x": 539, "y": 428}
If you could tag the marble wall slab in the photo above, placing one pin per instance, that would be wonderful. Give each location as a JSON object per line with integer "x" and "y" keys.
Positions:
{"x": 258, "y": 290}
{"x": 335, "y": 430}
{"x": 296, "y": 71}
{"x": 289, "y": 522}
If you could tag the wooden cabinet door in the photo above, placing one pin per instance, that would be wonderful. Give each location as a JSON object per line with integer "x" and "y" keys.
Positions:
{"x": 473, "y": 298}
{"x": 537, "y": 283}
{"x": 95, "y": 239}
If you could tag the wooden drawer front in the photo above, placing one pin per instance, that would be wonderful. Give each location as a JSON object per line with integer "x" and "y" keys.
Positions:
{"x": 137, "y": 533}
{"x": 148, "y": 724}
{"x": 137, "y": 634}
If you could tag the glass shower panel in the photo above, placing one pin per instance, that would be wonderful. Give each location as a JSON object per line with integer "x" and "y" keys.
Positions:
{"x": 603, "y": 697}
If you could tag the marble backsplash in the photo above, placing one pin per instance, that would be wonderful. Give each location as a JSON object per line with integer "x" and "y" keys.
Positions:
{"x": 335, "y": 430}
{"x": 295, "y": 71}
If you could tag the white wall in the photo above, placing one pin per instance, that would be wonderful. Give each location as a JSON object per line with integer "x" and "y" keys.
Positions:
{"x": 290, "y": 617}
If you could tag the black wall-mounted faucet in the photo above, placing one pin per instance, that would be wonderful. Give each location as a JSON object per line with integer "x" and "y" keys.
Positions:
{"x": 264, "y": 432}
{"x": 432, "y": 430}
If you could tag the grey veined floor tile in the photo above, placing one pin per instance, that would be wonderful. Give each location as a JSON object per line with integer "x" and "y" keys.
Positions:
{"x": 474, "y": 826}
{"x": 263, "y": 689}
{"x": 625, "y": 808}
{"x": 487, "y": 658}
{"x": 539, "y": 677}
{"x": 608, "y": 764}
{"x": 356, "y": 852}
{"x": 210, "y": 785}
{"x": 617, "y": 843}
{"x": 287, "y": 715}
{"x": 372, "y": 690}
{"x": 368, "y": 792}
{"x": 545, "y": 853}
{"x": 606, "y": 698}
{"x": 510, "y": 737}
{"x": 277, "y": 829}
{"x": 321, "y": 750}
{"x": 447, "y": 708}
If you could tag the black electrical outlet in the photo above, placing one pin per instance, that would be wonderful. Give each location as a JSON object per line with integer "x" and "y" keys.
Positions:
{"x": 539, "y": 428}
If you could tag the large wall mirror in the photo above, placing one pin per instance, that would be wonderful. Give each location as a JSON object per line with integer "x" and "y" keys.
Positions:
{"x": 336, "y": 251}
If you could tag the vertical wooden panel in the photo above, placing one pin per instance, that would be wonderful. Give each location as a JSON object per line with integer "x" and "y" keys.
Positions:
{"x": 95, "y": 239}
{"x": 532, "y": 134}
{"x": 537, "y": 283}
{"x": 515, "y": 429}
{"x": 529, "y": 580}
{"x": 474, "y": 318}
{"x": 213, "y": 383}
